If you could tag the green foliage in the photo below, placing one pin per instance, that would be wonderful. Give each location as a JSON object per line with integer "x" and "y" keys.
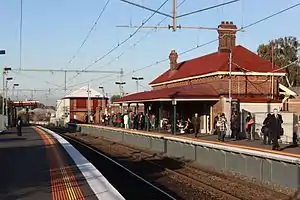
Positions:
{"x": 114, "y": 97}
{"x": 285, "y": 51}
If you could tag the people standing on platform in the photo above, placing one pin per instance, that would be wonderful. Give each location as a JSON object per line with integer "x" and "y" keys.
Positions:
{"x": 152, "y": 122}
{"x": 215, "y": 124}
{"x": 126, "y": 120}
{"x": 276, "y": 129}
{"x": 188, "y": 126}
{"x": 266, "y": 131}
{"x": 19, "y": 126}
{"x": 249, "y": 127}
{"x": 196, "y": 124}
{"x": 235, "y": 126}
{"x": 221, "y": 126}
{"x": 136, "y": 121}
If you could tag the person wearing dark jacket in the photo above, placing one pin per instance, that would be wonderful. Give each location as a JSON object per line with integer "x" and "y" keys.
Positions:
{"x": 19, "y": 126}
{"x": 196, "y": 124}
{"x": 266, "y": 129}
{"x": 276, "y": 129}
{"x": 235, "y": 126}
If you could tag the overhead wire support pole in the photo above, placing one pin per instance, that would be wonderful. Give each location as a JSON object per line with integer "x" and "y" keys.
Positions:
{"x": 21, "y": 32}
{"x": 121, "y": 82}
{"x": 174, "y": 26}
{"x": 65, "y": 70}
{"x": 174, "y": 16}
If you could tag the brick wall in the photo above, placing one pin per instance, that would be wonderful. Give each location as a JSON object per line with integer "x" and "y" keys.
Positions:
{"x": 240, "y": 84}
{"x": 294, "y": 105}
{"x": 217, "y": 108}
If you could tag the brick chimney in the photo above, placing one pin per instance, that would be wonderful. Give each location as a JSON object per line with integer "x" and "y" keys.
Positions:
{"x": 173, "y": 56}
{"x": 226, "y": 36}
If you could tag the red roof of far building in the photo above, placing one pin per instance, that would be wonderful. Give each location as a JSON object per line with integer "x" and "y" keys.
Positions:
{"x": 187, "y": 92}
{"x": 201, "y": 91}
{"x": 242, "y": 59}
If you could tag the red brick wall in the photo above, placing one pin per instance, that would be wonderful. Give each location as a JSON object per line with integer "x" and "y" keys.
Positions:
{"x": 78, "y": 107}
{"x": 294, "y": 105}
{"x": 217, "y": 108}
{"x": 81, "y": 103}
{"x": 240, "y": 84}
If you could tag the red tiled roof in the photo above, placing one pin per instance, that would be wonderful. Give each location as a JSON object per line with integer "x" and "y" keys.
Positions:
{"x": 219, "y": 61}
{"x": 188, "y": 92}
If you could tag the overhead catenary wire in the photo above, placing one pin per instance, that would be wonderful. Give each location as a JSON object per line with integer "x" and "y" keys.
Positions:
{"x": 88, "y": 35}
{"x": 166, "y": 59}
{"x": 123, "y": 53}
{"x": 212, "y": 41}
{"x": 122, "y": 43}
{"x": 141, "y": 39}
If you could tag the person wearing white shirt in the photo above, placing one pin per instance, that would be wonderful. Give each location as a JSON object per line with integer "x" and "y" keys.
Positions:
{"x": 126, "y": 118}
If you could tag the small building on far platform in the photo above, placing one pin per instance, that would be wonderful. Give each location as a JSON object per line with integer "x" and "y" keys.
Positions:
{"x": 201, "y": 85}
{"x": 74, "y": 106}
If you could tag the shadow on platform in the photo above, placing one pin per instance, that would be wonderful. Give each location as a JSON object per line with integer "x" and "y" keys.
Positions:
{"x": 12, "y": 139}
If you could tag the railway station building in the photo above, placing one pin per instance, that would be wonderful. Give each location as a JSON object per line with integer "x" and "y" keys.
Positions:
{"x": 201, "y": 85}
{"x": 74, "y": 106}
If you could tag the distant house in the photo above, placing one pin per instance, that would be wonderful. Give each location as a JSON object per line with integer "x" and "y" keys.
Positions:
{"x": 74, "y": 106}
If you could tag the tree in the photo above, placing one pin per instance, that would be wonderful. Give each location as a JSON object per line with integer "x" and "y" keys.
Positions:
{"x": 285, "y": 52}
{"x": 114, "y": 97}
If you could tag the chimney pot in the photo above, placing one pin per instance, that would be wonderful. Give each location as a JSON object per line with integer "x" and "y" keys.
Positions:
{"x": 227, "y": 37}
{"x": 173, "y": 56}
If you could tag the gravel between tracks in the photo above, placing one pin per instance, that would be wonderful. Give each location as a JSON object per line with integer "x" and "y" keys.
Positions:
{"x": 184, "y": 179}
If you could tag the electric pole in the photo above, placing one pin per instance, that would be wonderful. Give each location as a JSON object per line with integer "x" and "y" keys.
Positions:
{"x": 137, "y": 79}
{"x": 88, "y": 103}
{"x": 14, "y": 87}
{"x": 6, "y": 96}
{"x": 121, "y": 83}
{"x": 5, "y": 72}
{"x": 174, "y": 17}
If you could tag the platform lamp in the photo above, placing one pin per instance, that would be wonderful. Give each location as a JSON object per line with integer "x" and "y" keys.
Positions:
{"x": 103, "y": 97}
{"x": 6, "y": 96}
{"x": 137, "y": 79}
{"x": 14, "y": 87}
{"x": 5, "y": 71}
{"x": 102, "y": 89}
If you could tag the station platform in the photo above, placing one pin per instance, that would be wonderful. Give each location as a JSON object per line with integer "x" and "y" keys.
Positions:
{"x": 244, "y": 143}
{"x": 42, "y": 165}
{"x": 257, "y": 145}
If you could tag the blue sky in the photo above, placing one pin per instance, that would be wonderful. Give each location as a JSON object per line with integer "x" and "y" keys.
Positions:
{"x": 53, "y": 31}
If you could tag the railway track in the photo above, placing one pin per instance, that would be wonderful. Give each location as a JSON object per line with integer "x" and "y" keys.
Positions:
{"x": 209, "y": 185}
{"x": 223, "y": 184}
{"x": 128, "y": 183}
{"x": 208, "y": 192}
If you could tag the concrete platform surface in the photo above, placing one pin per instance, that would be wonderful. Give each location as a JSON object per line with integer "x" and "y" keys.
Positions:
{"x": 257, "y": 144}
{"x": 37, "y": 166}
{"x": 285, "y": 149}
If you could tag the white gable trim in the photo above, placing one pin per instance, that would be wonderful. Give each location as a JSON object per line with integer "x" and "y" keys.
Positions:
{"x": 164, "y": 99}
{"x": 287, "y": 90}
{"x": 221, "y": 73}
{"x": 83, "y": 93}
